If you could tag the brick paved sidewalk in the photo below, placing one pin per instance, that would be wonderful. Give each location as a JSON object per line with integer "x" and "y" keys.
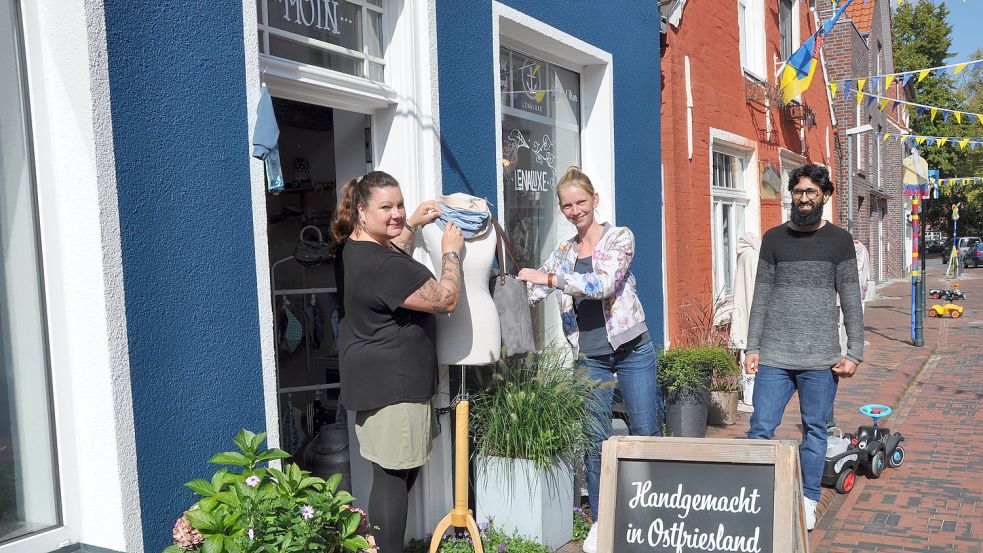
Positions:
{"x": 933, "y": 502}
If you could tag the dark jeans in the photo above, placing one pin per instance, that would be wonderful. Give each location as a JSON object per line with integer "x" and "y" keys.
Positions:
{"x": 636, "y": 369}
{"x": 773, "y": 388}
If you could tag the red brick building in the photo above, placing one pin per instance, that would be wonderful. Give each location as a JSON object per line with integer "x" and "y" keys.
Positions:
{"x": 728, "y": 143}
{"x": 861, "y": 46}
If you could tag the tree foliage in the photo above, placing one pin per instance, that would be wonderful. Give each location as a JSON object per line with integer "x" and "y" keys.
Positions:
{"x": 922, "y": 38}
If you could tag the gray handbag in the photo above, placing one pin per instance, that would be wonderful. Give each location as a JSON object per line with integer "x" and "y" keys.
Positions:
{"x": 512, "y": 302}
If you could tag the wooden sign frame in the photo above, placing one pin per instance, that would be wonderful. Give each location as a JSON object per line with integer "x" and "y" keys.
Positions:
{"x": 789, "y": 527}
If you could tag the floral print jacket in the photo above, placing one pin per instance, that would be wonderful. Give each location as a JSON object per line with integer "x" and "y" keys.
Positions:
{"x": 612, "y": 281}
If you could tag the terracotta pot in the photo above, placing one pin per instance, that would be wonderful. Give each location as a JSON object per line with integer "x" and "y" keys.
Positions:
{"x": 723, "y": 408}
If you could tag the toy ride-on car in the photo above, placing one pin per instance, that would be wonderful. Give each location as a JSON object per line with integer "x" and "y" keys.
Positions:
{"x": 842, "y": 462}
{"x": 947, "y": 310}
{"x": 947, "y": 295}
{"x": 879, "y": 447}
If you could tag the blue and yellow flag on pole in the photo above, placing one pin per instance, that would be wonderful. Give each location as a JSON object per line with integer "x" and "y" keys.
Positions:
{"x": 800, "y": 66}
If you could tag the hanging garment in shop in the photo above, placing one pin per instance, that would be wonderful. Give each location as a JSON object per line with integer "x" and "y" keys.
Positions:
{"x": 291, "y": 329}
{"x": 315, "y": 328}
{"x": 293, "y": 436}
{"x": 266, "y": 134}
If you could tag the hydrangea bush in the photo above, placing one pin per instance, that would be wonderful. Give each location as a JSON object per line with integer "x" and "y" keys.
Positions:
{"x": 255, "y": 509}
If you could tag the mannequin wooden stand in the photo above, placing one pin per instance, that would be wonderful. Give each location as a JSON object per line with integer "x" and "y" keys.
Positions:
{"x": 460, "y": 516}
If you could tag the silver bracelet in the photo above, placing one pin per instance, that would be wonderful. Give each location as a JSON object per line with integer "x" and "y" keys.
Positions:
{"x": 411, "y": 227}
{"x": 453, "y": 255}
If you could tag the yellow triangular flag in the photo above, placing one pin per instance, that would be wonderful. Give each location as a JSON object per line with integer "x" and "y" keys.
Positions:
{"x": 965, "y": 181}
{"x": 861, "y": 83}
{"x": 920, "y": 139}
{"x": 860, "y": 97}
{"x": 942, "y": 141}
{"x": 935, "y": 111}
{"x": 832, "y": 89}
{"x": 962, "y": 143}
{"x": 886, "y": 136}
{"x": 883, "y": 104}
{"x": 888, "y": 81}
{"x": 959, "y": 116}
{"x": 959, "y": 68}
{"x": 980, "y": 117}
{"x": 922, "y": 75}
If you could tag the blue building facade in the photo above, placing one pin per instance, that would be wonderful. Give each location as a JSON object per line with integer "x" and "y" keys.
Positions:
{"x": 165, "y": 271}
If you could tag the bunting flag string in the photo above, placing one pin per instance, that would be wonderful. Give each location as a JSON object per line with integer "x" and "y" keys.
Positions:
{"x": 952, "y": 68}
{"x": 934, "y": 111}
{"x": 961, "y": 141}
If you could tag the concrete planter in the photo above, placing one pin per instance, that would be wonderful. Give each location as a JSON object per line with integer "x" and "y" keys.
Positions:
{"x": 518, "y": 497}
{"x": 723, "y": 408}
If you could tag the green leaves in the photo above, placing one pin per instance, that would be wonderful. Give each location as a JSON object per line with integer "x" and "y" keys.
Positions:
{"x": 253, "y": 509}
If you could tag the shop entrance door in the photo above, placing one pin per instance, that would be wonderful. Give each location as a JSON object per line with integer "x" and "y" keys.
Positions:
{"x": 321, "y": 148}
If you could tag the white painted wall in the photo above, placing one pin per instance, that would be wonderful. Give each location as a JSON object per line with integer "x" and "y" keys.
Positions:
{"x": 83, "y": 276}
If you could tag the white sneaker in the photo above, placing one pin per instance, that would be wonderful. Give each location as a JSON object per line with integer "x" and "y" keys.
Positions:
{"x": 590, "y": 543}
{"x": 810, "y": 508}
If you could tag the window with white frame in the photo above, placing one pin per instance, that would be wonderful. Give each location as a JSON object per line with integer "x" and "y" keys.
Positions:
{"x": 341, "y": 35}
{"x": 729, "y": 203}
{"x": 750, "y": 24}
{"x": 785, "y": 44}
{"x": 29, "y": 483}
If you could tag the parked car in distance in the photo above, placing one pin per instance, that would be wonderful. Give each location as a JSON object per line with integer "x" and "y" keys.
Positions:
{"x": 964, "y": 243}
{"x": 935, "y": 246}
{"x": 974, "y": 256}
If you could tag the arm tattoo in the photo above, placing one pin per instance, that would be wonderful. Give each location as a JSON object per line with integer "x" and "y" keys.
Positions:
{"x": 442, "y": 296}
{"x": 404, "y": 241}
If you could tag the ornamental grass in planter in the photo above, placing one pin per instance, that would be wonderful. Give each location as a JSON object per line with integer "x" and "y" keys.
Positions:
{"x": 528, "y": 424}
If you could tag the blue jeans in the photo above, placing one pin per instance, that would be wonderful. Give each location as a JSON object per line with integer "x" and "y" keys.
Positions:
{"x": 773, "y": 387}
{"x": 636, "y": 369}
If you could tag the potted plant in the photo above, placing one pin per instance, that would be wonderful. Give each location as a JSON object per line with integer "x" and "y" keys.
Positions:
{"x": 723, "y": 393}
{"x": 252, "y": 508}
{"x": 685, "y": 374}
{"x": 527, "y": 425}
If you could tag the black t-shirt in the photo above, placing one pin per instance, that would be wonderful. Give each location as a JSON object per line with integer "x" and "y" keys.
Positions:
{"x": 387, "y": 353}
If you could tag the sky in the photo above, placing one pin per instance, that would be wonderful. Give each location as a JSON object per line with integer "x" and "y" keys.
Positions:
{"x": 966, "y": 17}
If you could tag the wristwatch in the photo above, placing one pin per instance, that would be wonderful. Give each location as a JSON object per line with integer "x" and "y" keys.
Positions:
{"x": 454, "y": 255}
{"x": 411, "y": 227}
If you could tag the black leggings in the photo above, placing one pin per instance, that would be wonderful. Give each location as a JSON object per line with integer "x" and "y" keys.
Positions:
{"x": 387, "y": 506}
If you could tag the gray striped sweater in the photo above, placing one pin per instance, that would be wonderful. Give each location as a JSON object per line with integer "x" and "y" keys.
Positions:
{"x": 794, "y": 321}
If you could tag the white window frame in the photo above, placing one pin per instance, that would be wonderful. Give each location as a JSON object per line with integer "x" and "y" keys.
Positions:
{"x": 85, "y": 307}
{"x": 752, "y": 41}
{"x": 518, "y": 31}
{"x": 789, "y": 162}
{"x": 746, "y": 196}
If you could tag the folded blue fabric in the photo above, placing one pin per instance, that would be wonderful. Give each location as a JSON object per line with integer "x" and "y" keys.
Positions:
{"x": 470, "y": 222}
{"x": 265, "y": 132}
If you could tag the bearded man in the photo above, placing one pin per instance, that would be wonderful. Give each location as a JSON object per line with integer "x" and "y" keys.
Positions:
{"x": 793, "y": 328}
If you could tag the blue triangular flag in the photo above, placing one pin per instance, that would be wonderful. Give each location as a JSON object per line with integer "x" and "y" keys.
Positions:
{"x": 931, "y": 141}
{"x": 921, "y": 110}
{"x": 945, "y": 116}
{"x": 848, "y": 89}
{"x": 870, "y": 100}
{"x": 907, "y": 77}
{"x": 873, "y": 83}
{"x": 895, "y": 106}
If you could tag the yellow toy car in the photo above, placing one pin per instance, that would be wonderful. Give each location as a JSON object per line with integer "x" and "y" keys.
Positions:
{"x": 949, "y": 309}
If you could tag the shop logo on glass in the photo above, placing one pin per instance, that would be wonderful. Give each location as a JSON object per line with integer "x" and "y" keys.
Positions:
{"x": 320, "y": 14}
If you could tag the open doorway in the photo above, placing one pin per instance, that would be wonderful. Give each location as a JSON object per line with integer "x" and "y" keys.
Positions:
{"x": 321, "y": 148}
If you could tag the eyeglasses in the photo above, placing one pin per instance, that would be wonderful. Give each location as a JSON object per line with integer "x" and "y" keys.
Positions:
{"x": 810, "y": 193}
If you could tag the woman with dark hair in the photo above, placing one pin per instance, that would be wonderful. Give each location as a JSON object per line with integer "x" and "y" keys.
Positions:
{"x": 387, "y": 351}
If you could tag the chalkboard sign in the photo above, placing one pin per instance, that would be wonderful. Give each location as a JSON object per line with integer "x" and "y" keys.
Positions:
{"x": 690, "y": 495}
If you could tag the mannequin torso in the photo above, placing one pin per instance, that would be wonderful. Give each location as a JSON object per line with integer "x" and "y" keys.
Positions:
{"x": 471, "y": 335}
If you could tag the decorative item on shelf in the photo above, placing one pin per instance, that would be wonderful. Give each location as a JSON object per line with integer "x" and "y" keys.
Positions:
{"x": 800, "y": 114}
{"x": 528, "y": 425}
{"x": 249, "y": 507}
{"x": 311, "y": 249}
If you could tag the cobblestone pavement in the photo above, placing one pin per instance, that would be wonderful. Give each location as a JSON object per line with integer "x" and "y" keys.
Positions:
{"x": 934, "y": 501}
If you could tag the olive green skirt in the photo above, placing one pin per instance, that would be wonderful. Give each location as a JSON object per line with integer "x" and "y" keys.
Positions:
{"x": 398, "y": 436}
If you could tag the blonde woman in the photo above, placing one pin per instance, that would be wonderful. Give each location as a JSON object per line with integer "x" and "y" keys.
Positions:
{"x": 602, "y": 319}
